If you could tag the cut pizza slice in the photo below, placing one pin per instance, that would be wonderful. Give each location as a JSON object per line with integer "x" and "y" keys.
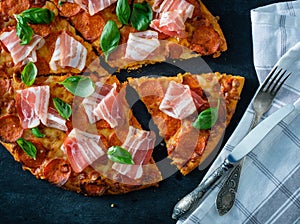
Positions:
{"x": 170, "y": 29}
{"x": 64, "y": 138}
{"x": 55, "y": 46}
{"x": 190, "y": 111}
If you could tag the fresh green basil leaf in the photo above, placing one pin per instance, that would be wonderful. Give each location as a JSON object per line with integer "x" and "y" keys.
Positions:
{"x": 29, "y": 73}
{"x": 37, "y": 133}
{"x": 38, "y": 15}
{"x": 60, "y": 3}
{"x": 64, "y": 109}
{"x": 110, "y": 38}
{"x": 123, "y": 11}
{"x": 141, "y": 16}
{"x": 79, "y": 85}
{"x": 27, "y": 147}
{"x": 23, "y": 31}
{"x": 207, "y": 118}
{"x": 119, "y": 155}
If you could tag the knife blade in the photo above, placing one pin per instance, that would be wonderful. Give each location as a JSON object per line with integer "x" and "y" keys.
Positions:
{"x": 239, "y": 152}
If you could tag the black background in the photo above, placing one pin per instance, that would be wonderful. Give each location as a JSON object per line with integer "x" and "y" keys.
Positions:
{"x": 24, "y": 199}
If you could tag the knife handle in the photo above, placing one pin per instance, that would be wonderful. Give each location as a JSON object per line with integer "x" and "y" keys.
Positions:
{"x": 186, "y": 203}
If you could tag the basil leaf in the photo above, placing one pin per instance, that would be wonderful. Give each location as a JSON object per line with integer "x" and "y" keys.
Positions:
{"x": 141, "y": 16}
{"x": 37, "y": 133}
{"x": 119, "y": 155}
{"x": 123, "y": 11}
{"x": 62, "y": 108}
{"x": 207, "y": 118}
{"x": 60, "y": 3}
{"x": 29, "y": 73}
{"x": 79, "y": 85}
{"x": 27, "y": 147}
{"x": 23, "y": 31}
{"x": 38, "y": 15}
{"x": 110, "y": 38}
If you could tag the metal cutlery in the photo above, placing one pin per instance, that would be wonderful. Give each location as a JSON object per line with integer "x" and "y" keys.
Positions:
{"x": 261, "y": 104}
{"x": 237, "y": 154}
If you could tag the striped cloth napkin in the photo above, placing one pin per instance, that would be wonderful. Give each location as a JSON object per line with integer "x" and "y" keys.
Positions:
{"x": 269, "y": 188}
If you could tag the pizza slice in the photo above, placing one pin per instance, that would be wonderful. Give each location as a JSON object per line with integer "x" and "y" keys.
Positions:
{"x": 190, "y": 111}
{"x": 63, "y": 137}
{"x": 55, "y": 47}
{"x": 172, "y": 29}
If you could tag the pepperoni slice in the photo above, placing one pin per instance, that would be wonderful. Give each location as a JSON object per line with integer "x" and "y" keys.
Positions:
{"x": 89, "y": 26}
{"x": 57, "y": 171}
{"x": 29, "y": 162}
{"x": 68, "y": 9}
{"x": 10, "y": 128}
{"x": 205, "y": 40}
{"x": 11, "y": 7}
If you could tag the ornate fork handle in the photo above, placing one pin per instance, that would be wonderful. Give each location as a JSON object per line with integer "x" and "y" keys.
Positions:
{"x": 226, "y": 195}
{"x": 186, "y": 203}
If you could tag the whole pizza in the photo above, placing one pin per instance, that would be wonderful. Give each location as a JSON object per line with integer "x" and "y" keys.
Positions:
{"x": 67, "y": 117}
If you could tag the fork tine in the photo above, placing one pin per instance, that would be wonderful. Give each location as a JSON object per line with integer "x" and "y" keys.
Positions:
{"x": 268, "y": 82}
{"x": 279, "y": 83}
{"x": 276, "y": 80}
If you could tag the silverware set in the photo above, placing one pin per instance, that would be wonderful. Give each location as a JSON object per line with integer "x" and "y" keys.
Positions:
{"x": 226, "y": 196}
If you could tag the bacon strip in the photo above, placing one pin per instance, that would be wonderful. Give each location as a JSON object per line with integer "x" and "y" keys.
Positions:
{"x": 178, "y": 101}
{"x": 94, "y": 6}
{"x": 68, "y": 53}
{"x": 110, "y": 108}
{"x": 32, "y": 105}
{"x": 172, "y": 16}
{"x": 21, "y": 53}
{"x": 140, "y": 45}
{"x": 168, "y": 6}
{"x": 90, "y": 103}
{"x": 82, "y": 149}
{"x": 54, "y": 120}
{"x": 140, "y": 144}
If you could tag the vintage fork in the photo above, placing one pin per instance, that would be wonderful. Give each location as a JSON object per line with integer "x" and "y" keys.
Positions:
{"x": 261, "y": 104}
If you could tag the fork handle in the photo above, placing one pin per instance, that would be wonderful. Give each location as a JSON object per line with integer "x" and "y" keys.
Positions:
{"x": 190, "y": 200}
{"x": 255, "y": 120}
{"x": 227, "y": 193}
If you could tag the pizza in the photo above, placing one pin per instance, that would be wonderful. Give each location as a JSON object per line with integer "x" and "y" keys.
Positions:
{"x": 172, "y": 105}
{"x": 64, "y": 114}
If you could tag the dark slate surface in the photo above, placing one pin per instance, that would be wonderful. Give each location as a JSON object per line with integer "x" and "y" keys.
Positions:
{"x": 24, "y": 199}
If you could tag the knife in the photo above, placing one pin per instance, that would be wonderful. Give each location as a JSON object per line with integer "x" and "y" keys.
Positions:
{"x": 241, "y": 150}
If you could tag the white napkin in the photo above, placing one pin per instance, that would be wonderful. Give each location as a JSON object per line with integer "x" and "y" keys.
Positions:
{"x": 269, "y": 188}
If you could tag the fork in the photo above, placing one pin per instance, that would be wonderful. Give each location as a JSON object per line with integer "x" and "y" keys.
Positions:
{"x": 261, "y": 104}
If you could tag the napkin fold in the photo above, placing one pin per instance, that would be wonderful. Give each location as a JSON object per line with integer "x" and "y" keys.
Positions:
{"x": 269, "y": 188}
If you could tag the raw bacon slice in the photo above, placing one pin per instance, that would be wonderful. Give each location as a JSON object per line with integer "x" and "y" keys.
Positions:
{"x": 82, "y": 149}
{"x": 21, "y": 53}
{"x": 178, "y": 101}
{"x": 172, "y": 16}
{"x": 198, "y": 100}
{"x": 32, "y": 105}
{"x": 168, "y": 6}
{"x": 54, "y": 120}
{"x": 68, "y": 53}
{"x": 171, "y": 23}
{"x": 140, "y": 45}
{"x": 111, "y": 109}
{"x": 94, "y": 6}
{"x": 90, "y": 103}
{"x": 139, "y": 144}
{"x": 26, "y": 113}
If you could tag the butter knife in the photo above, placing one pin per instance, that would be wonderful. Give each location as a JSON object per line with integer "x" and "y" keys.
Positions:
{"x": 239, "y": 152}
